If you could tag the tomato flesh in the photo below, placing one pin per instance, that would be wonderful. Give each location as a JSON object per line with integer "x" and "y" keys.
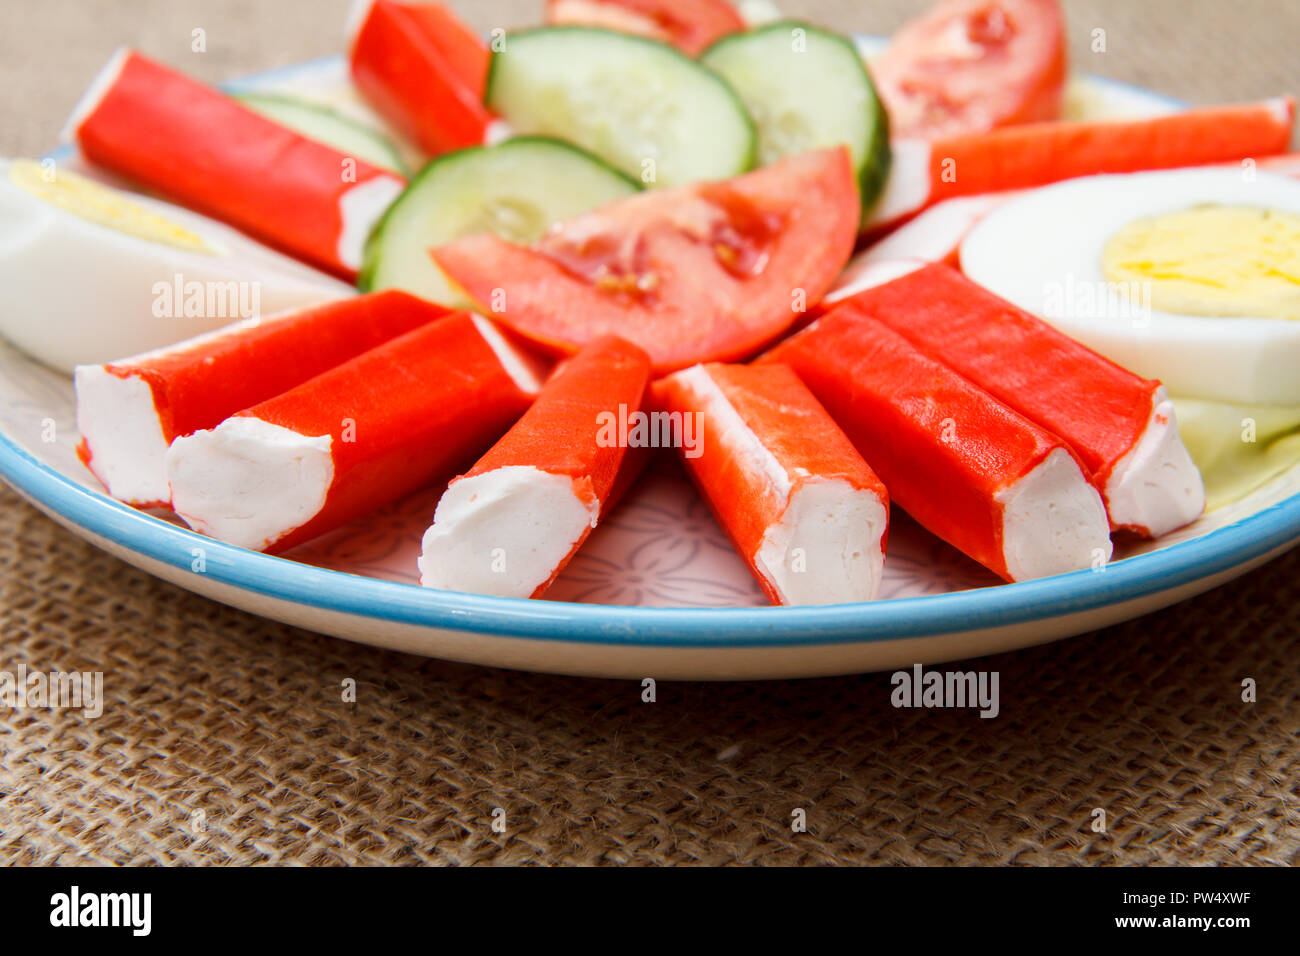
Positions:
{"x": 968, "y": 66}
{"x": 698, "y": 273}
{"x": 720, "y": 218}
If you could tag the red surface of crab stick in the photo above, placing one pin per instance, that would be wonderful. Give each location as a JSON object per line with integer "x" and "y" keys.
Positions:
{"x": 129, "y": 411}
{"x": 1121, "y": 426}
{"x": 977, "y": 474}
{"x": 423, "y": 70}
{"x": 1035, "y": 154}
{"x": 511, "y": 524}
{"x": 205, "y": 150}
{"x": 797, "y": 500}
{"x": 352, "y": 439}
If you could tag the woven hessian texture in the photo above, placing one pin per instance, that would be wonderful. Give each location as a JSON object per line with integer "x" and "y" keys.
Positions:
{"x": 224, "y": 738}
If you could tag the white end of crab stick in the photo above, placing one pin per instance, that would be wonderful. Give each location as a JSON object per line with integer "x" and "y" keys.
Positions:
{"x": 247, "y": 480}
{"x": 524, "y": 369}
{"x": 862, "y": 274}
{"x": 907, "y": 187}
{"x": 353, "y": 22}
{"x": 837, "y": 528}
{"x": 840, "y": 528}
{"x": 933, "y": 236}
{"x": 129, "y": 411}
{"x": 999, "y": 488}
{"x": 359, "y": 209}
{"x": 355, "y": 438}
{"x": 99, "y": 86}
{"x": 510, "y": 525}
{"x": 799, "y": 503}
{"x": 936, "y": 234}
{"x": 1106, "y": 414}
{"x": 1156, "y": 485}
{"x": 1053, "y": 521}
{"x": 119, "y": 418}
{"x": 540, "y": 514}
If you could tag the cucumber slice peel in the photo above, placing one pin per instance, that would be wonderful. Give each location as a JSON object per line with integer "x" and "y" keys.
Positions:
{"x": 643, "y": 106}
{"x": 807, "y": 88}
{"x": 517, "y": 190}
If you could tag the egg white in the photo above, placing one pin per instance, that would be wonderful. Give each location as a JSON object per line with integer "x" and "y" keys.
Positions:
{"x": 1043, "y": 252}
{"x": 76, "y": 292}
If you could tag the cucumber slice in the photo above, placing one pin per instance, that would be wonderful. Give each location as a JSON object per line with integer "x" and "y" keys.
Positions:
{"x": 516, "y": 190}
{"x": 807, "y": 88}
{"x": 329, "y": 127}
{"x": 642, "y": 106}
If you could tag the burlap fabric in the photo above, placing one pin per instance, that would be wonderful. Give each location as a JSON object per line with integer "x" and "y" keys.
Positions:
{"x": 224, "y": 738}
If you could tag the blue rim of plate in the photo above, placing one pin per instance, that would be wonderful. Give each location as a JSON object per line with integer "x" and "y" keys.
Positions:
{"x": 1132, "y": 578}
{"x": 957, "y": 612}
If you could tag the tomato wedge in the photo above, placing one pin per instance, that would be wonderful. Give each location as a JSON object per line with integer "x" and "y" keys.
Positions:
{"x": 690, "y": 26}
{"x": 969, "y": 66}
{"x": 706, "y": 272}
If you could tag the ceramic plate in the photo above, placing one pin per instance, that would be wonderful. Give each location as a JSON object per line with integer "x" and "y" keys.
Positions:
{"x": 657, "y": 591}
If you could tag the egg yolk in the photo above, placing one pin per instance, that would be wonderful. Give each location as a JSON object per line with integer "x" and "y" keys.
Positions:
{"x": 101, "y": 205}
{"x": 1212, "y": 260}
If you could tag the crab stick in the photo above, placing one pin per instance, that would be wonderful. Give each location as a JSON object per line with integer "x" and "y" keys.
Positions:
{"x": 129, "y": 411}
{"x": 510, "y": 524}
{"x": 801, "y": 506}
{"x": 352, "y": 439}
{"x": 199, "y": 147}
{"x": 936, "y": 234}
{"x": 976, "y": 473}
{"x": 1121, "y": 426}
{"x": 1019, "y": 157}
{"x": 933, "y": 236}
{"x": 423, "y": 70}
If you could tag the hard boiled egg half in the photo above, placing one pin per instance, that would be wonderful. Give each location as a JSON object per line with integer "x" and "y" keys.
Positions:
{"x": 89, "y": 273}
{"x": 1187, "y": 276}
